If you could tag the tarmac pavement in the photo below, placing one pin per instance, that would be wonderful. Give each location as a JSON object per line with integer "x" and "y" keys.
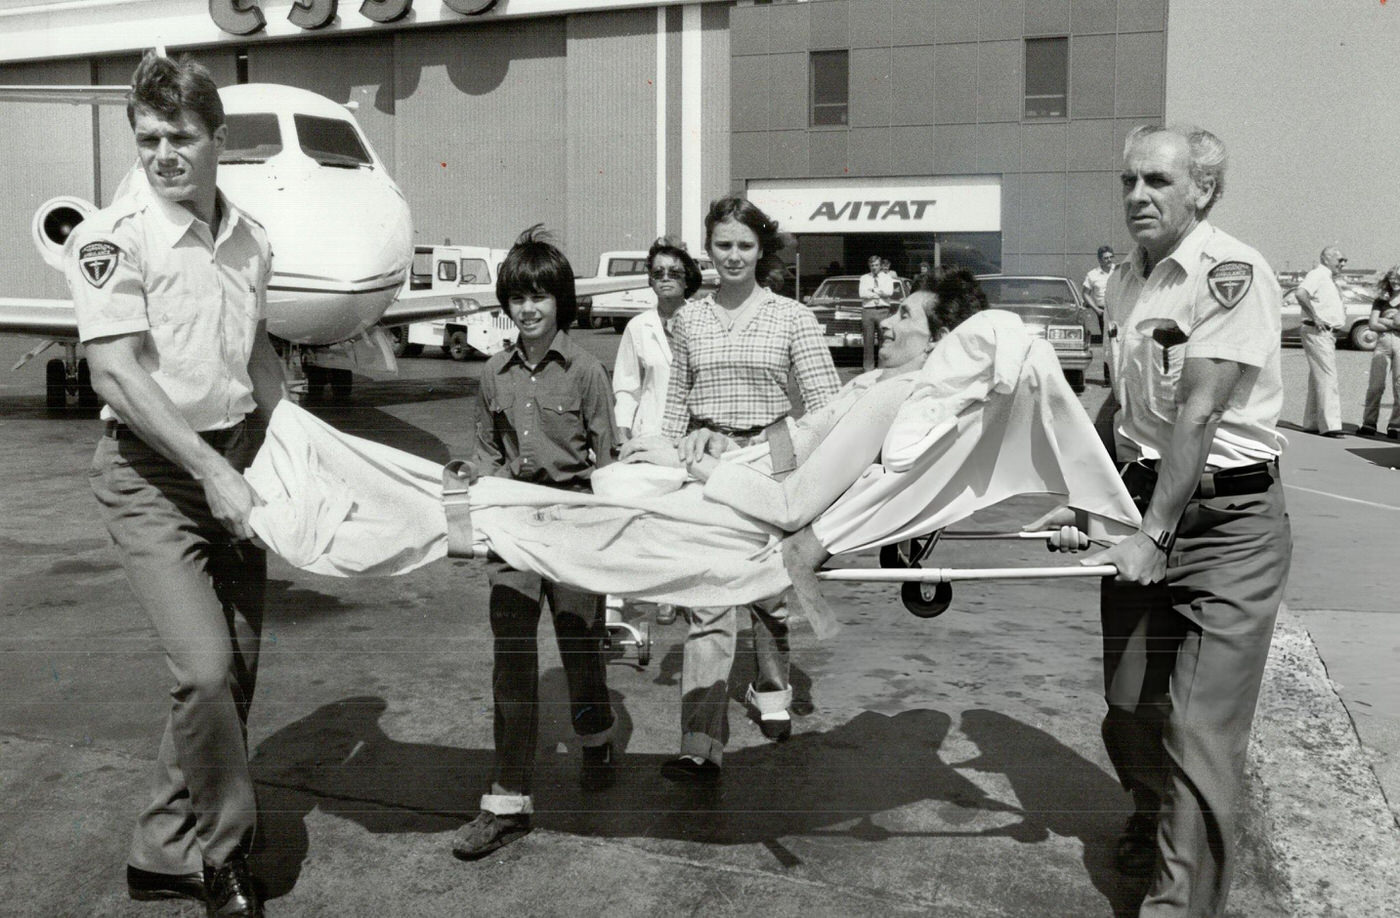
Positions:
{"x": 949, "y": 766}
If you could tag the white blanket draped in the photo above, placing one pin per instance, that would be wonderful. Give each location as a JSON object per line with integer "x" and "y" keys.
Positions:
{"x": 988, "y": 417}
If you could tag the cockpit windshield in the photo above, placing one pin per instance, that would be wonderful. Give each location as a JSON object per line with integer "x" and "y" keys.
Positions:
{"x": 331, "y": 142}
{"x": 251, "y": 139}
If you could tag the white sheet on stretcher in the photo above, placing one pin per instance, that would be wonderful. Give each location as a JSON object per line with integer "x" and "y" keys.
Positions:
{"x": 987, "y": 418}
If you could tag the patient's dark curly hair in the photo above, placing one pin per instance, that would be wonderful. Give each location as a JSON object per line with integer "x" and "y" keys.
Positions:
{"x": 958, "y": 296}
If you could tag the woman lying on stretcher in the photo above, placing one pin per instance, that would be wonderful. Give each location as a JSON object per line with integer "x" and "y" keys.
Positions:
{"x": 815, "y": 468}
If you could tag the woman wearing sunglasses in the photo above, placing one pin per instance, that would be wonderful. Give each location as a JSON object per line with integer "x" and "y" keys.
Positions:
{"x": 642, "y": 373}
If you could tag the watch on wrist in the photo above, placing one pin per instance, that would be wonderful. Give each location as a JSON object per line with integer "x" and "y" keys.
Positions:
{"x": 1164, "y": 540}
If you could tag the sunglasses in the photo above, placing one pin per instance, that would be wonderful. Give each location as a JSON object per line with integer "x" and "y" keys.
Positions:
{"x": 668, "y": 274}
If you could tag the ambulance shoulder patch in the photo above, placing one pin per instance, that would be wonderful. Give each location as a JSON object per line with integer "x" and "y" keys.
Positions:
{"x": 1229, "y": 281}
{"x": 98, "y": 262}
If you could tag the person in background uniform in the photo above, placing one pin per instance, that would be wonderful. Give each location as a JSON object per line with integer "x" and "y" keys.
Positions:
{"x": 170, "y": 290}
{"x": 876, "y": 295}
{"x": 1193, "y": 329}
{"x": 1385, "y": 359}
{"x": 734, "y": 352}
{"x": 1096, "y": 282}
{"x": 543, "y": 415}
{"x": 642, "y": 371}
{"x": 1323, "y": 314}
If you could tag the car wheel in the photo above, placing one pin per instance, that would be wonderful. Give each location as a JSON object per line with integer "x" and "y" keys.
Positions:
{"x": 1075, "y": 379}
{"x": 457, "y": 346}
{"x": 1362, "y": 337}
{"x": 402, "y": 348}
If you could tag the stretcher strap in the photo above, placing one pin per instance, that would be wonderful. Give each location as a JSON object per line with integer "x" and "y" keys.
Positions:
{"x": 456, "y": 506}
{"x": 780, "y": 449}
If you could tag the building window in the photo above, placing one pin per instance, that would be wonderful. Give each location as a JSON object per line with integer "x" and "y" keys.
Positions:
{"x": 1047, "y": 78}
{"x": 831, "y": 86}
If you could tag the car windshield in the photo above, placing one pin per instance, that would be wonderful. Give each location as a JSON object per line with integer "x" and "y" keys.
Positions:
{"x": 251, "y": 139}
{"x": 1014, "y": 292}
{"x": 839, "y": 290}
{"x": 331, "y": 142}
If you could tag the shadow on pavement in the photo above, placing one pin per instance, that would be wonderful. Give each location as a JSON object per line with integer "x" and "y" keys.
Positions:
{"x": 339, "y": 760}
{"x": 1384, "y": 456}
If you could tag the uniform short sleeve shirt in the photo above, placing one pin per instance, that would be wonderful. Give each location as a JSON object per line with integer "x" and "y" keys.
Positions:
{"x": 1327, "y": 299}
{"x": 1096, "y": 285}
{"x": 146, "y": 266}
{"x": 1214, "y": 297}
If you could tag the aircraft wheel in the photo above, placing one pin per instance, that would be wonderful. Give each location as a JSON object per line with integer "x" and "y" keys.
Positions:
{"x": 341, "y": 383}
{"x": 55, "y": 384}
{"x": 316, "y": 380}
{"x": 926, "y": 600}
{"x": 457, "y": 346}
{"x": 87, "y": 395}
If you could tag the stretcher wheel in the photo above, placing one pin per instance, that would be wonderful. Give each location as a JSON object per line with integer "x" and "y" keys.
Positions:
{"x": 643, "y": 644}
{"x": 926, "y": 600}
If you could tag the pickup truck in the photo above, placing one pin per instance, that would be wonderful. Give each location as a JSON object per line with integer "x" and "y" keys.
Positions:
{"x": 461, "y": 270}
{"x": 612, "y": 264}
{"x": 617, "y": 309}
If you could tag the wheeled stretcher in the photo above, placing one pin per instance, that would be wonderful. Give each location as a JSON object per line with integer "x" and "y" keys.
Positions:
{"x": 891, "y": 463}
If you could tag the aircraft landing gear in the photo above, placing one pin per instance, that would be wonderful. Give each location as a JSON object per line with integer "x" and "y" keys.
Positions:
{"x": 318, "y": 379}
{"x": 65, "y": 376}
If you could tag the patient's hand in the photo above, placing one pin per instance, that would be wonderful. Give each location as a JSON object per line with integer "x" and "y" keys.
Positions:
{"x": 1069, "y": 522}
{"x": 699, "y": 443}
{"x": 702, "y": 470}
{"x": 645, "y": 444}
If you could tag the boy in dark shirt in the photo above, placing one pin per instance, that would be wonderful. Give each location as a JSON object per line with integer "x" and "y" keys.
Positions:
{"x": 543, "y": 415}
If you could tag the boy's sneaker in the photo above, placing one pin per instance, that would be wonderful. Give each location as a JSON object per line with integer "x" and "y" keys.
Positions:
{"x": 598, "y": 770}
{"x": 487, "y": 832}
{"x": 772, "y": 709}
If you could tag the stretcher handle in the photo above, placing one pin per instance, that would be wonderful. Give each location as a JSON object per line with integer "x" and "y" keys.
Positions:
{"x": 951, "y": 574}
{"x": 968, "y": 535}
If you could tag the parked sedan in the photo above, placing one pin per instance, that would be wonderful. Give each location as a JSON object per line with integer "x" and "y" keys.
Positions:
{"x": 1051, "y": 308}
{"x": 836, "y": 304}
{"x": 1356, "y": 299}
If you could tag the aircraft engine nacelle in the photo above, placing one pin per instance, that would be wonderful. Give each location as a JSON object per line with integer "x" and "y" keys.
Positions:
{"x": 54, "y": 222}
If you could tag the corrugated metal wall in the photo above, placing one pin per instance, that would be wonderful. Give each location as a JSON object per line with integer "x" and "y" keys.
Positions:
{"x": 611, "y": 139}
{"x": 487, "y": 127}
{"x": 480, "y": 128}
{"x": 47, "y": 151}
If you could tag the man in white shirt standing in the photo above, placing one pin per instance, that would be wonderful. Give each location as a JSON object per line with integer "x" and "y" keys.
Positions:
{"x": 1096, "y": 282}
{"x": 1323, "y": 314}
{"x": 876, "y": 296}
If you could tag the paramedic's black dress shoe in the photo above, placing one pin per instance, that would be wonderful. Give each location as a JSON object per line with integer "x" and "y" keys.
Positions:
{"x": 690, "y": 769}
{"x": 229, "y": 892}
{"x": 149, "y": 886}
{"x": 1135, "y": 855}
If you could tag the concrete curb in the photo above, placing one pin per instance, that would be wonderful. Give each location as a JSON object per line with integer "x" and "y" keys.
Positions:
{"x": 1314, "y": 797}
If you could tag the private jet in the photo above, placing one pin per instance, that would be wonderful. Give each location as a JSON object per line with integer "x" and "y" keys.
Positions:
{"x": 339, "y": 226}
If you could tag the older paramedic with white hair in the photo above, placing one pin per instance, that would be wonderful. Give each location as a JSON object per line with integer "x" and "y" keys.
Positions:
{"x": 1193, "y": 339}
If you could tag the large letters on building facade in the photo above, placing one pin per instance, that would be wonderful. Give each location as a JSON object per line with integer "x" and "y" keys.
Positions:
{"x": 244, "y": 17}
{"x": 872, "y": 210}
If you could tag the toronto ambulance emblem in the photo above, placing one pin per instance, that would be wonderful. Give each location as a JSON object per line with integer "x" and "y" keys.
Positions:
{"x": 98, "y": 260}
{"x": 1229, "y": 281}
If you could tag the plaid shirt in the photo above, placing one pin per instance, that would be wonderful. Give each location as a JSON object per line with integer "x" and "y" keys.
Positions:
{"x": 737, "y": 379}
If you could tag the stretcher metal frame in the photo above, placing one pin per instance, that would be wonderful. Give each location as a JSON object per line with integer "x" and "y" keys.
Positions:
{"x": 926, "y": 592}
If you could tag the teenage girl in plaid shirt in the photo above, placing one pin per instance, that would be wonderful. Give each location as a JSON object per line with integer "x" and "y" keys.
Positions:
{"x": 733, "y": 353}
